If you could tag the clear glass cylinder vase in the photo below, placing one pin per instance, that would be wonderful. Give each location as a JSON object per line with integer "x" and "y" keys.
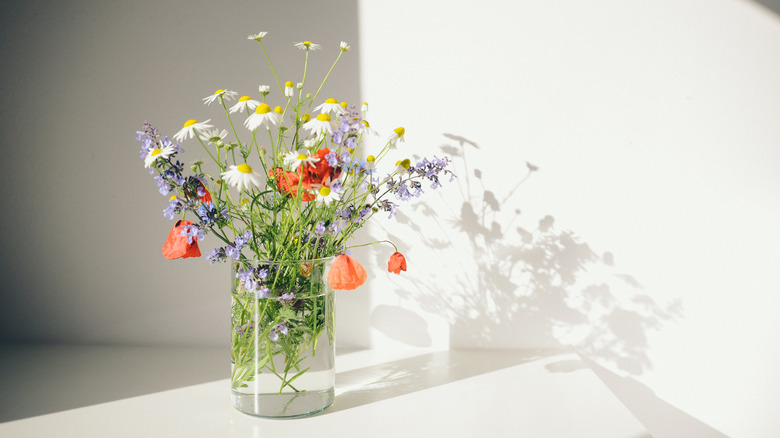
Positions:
{"x": 282, "y": 340}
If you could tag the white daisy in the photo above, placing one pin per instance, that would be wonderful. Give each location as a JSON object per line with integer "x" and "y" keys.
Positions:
{"x": 344, "y": 46}
{"x": 190, "y": 128}
{"x": 226, "y": 94}
{"x": 326, "y": 195}
{"x": 257, "y": 36}
{"x": 396, "y": 136}
{"x": 241, "y": 176}
{"x": 364, "y": 108}
{"x": 214, "y": 135}
{"x": 365, "y": 128}
{"x": 288, "y": 89}
{"x": 264, "y": 89}
{"x": 244, "y": 102}
{"x": 370, "y": 162}
{"x": 319, "y": 125}
{"x": 154, "y": 154}
{"x": 307, "y": 45}
{"x": 296, "y": 159}
{"x": 330, "y": 106}
{"x": 263, "y": 115}
{"x": 402, "y": 167}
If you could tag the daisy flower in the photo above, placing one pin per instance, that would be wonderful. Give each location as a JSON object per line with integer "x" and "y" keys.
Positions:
{"x": 344, "y": 46}
{"x": 330, "y": 106}
{"x": 263, "y": 115}
{"x": 319, "y": 125}
{"x": 154, "y": 154}
{"x": 288, "y": 89}
{"x": 257, "y": 36}
{"x": 296, "y": 159}
{"x": 215, "y": 135}
{"x": 191, "y": 127}
{"x": 396, "y": 136}
{"x": 225, "y": 94}
{"x": 307, "y": 45}
{"x": 326, "y": 195}
{"x": 365, "y": 128}
{"x": 364, "y": 107}
{"x": 244, "y": 102}
{"x": 370, "y": 162}
{"x": 264, "y": 89}
{"x": 402, "y": 167}
{"x": 241, "y": 176}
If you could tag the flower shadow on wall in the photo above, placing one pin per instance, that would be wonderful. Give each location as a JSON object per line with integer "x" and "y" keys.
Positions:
{"x": 533, "y": 286}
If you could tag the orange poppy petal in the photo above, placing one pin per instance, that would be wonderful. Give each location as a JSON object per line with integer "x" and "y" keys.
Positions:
{"x": 397, "y": 263}
{"x": 176, "y": 246}
{"x": 346, "y": 273}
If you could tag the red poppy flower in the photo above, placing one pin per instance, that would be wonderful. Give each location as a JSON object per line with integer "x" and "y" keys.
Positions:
{"x": 176, "y": 245}
{"x": 287, "y": 182}
{"x": 397, "y": 263}
{"x": 322, "y": 171}
{"x": 346, "y": 273}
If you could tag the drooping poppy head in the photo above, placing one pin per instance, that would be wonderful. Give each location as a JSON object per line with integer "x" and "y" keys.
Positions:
{"x": 346, "y": 273}
{"x": 177, "y": 246}
{"x": 397, "y": 263}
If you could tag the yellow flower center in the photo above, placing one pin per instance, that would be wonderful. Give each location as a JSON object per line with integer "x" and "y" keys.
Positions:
{"x": 172, "y": 198}
{"x": 365, "y": 123}
{"x": 324, "y": 191}
{"x": 244, "y": 98}
{"x": 189, "y": 123}
{"x": 263, "y": 108}
{"x": 323, "y": 118}
{"x": 331, "y": 100}
{"x": 288, "y": 84}
{"x": 306, "y": 117}
{"x": 245, "y": 168}
{"x": 219, "y": 91}
{"x": 343, "y": 104}
{"x": 370, "y": 158}
{"x": 156, "y": 152}
{"x": 308, "y": 42}
{"x": 400, "y": 131}
{"x": 278, "y": 109}
{"x": 404, "y": 163}
{"x": 302, "y": 156}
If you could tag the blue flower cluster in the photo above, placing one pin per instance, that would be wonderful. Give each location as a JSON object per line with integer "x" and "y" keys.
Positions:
{"x": 232, "y": 250}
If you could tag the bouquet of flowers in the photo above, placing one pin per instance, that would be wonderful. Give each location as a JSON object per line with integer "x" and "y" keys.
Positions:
{"x": 289, "y": 191}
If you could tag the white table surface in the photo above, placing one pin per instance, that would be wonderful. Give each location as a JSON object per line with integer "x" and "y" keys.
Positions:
{"x": 459, "y": 393}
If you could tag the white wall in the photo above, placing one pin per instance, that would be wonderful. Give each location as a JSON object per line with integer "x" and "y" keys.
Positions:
{"x": 655, "y": 129}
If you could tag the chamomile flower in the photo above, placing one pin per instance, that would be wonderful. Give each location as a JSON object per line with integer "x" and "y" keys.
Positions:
{"x": 215, "y": 135}
{"x": 225, "y": 94}
{"x": 264, "y": 89}
{"x": 296, "y": 159}
{"x": 319, "y": 125}
{"x": 326, "y": 195}
{"x": 288, "y": 89}
{"x": 278, "y": 110}
{"x": 154, "y": 154}
{"x": 244, "y": 102}
{"x": 263, "y": 115}
{"x": 402, "y": 167}
{"x": 370, "y": 162}
{"x": 307, "y": 45}
{"x": 330, "y": 106}
{"x": 241, "y": 176}
{"x": 365, "y": 128}
{"x": 344, "y": 46}
{"x": 190, "y": 128}
{"x": 364, "y": 107}
{"x": 396, "y": 136}
{"x": 257, "y": 36}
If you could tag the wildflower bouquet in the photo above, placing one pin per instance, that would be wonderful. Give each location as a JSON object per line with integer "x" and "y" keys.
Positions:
{"x": 290, "y": 190}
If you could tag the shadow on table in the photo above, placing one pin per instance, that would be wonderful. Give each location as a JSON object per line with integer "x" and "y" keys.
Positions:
{"x": 392, "y": 379}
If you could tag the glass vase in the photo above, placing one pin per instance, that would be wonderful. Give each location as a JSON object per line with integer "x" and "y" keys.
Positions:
{"x": 282, "y": 347}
